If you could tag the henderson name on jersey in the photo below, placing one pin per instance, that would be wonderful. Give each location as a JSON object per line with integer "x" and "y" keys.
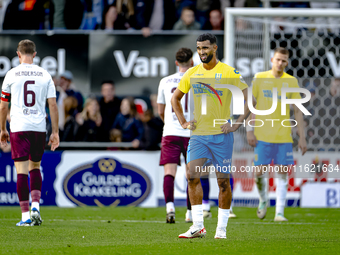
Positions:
{"x": 27, "y": 87}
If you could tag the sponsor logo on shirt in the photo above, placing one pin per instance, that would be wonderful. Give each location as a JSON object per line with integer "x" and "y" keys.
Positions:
{"x": 27, "y": 111}
{"x": 226, "y": 161}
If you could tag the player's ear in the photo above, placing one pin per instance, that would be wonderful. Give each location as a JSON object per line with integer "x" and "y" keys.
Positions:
{"x": 287, "y": 61}
{"x": 176, "y": 62}
{"x": 18, "y": 53}
{"x": 215, "y": 47}
{"x": 192, "y": 62}
{"x": 34, "y": 54}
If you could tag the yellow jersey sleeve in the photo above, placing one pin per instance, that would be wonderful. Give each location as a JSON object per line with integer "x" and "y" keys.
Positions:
{"x": 294, "y": 84}
{"x": 241, "y": 83}
{"x": 184, "y": 84}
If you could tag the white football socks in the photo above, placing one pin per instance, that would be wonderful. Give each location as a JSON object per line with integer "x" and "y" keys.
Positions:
{"x": 223, "y": 217}
{"x": 25, "y": 216}
{"x": 197, "y": 215}
{"x": 35, "y": 205}
{"x": 262, "y": 186}
{"x": 170, "y": 207}
{"x": 281, "y": 193}
{"x": 206, "y": 205}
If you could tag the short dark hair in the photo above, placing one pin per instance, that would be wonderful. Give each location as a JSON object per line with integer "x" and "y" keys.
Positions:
{"x": 108, "y": 81}
{"x": 207, "y": 37}
{"x": 281, "y": 50}
{"x": 187, "y": 8}
{"x": 26, "y": 47}
{"x": 183, "y": 55}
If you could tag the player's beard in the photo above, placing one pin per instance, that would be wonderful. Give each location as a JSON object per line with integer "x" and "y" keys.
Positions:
{"x": 209, "y": 58}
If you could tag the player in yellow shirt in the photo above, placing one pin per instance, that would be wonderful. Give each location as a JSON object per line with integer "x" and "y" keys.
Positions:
{"x": 209, "y": 140}
{"x": 273, "y": 140}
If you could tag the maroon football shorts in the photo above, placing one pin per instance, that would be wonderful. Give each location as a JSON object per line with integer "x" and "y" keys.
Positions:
{"x": 172, "y": 147}
{"x": 27, "y": 145}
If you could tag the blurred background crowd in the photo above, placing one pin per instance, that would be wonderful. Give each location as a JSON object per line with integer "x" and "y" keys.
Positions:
{"x": 144, "y": 15}
{"x": 104, "y": 117}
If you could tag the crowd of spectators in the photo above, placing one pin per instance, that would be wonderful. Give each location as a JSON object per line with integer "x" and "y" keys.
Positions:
{"x": 103, "y": 118}
{"x": 144, "y": 15}
{"x": 106, "y": 117}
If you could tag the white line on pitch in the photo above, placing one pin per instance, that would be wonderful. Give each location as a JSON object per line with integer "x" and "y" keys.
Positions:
{"x": 150, "y": 221}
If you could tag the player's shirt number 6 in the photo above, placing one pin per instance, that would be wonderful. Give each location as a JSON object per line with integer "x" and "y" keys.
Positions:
{"x": 29, "y": 92}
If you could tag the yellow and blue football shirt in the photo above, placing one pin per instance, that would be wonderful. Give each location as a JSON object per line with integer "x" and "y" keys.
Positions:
{"x": 204, "y": 82}
{"x": 262, "y": 87}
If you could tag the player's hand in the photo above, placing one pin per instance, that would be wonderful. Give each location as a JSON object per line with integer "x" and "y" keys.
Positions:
{"x": 227, "y": 128}
{"x": 54, "y": 141}
{"x": 79, "y": 119}
{"x": 190, "y": 125}
{"x": 302, "y": 145}
{"x": 4, "y": 138}
{"x": 251, "y": 138}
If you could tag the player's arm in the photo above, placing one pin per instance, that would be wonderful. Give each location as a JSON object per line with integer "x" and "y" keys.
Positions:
{"x": 176, "y": 105}
{"x": 161, "y": 110}
{"x": 251, "y": 138}
{"x": 54, "y": 138}
{"x": 227, "y": 128}
{"x": 4, "y": 136}
{"x": 300, "y": 125}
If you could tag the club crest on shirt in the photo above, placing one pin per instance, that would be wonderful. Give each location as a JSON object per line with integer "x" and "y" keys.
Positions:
{"x": 218, "y": 76}
{"x": 26, "y": 111}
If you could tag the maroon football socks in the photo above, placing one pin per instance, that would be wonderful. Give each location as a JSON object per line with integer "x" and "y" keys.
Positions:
{"x": 35, "y": 182}
{"x": 168, "y": 188}
{"x": 23, "y": 192}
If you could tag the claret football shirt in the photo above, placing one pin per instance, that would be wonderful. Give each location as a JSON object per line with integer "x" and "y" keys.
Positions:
{"x": 27, "y": 87}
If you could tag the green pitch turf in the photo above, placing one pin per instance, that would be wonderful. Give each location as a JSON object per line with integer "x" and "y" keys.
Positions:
{"x": 94, "y": 230}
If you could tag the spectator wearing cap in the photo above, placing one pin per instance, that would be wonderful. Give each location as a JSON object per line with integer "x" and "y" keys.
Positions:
{"x": 66, "y": 79}
{"x": 109, "y": 108}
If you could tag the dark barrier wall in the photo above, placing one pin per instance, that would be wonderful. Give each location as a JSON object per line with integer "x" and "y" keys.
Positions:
{"x": 135, "y": 63}
{"x": 54, "y": 53}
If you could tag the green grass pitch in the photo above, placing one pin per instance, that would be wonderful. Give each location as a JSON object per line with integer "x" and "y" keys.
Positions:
{"x": 134, "y": 230}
